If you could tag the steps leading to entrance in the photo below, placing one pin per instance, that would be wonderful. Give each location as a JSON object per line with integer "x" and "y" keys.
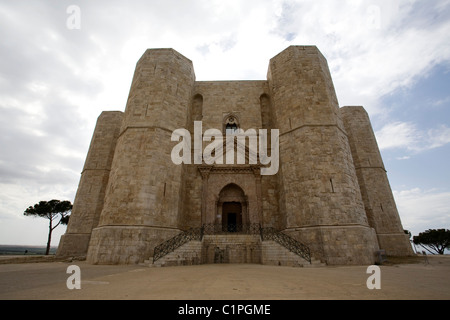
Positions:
{"x": 189, "y": 253}
{"x": 232, "y": 248}
{"x": 273, "y": 253}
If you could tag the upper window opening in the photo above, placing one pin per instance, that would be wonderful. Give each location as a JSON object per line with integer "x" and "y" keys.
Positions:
{"x": 231, "y": 125}
{"x": 231, "y": 128}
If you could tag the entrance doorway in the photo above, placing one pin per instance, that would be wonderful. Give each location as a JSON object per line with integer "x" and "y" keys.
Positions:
{"x": 231, "y": 216}
{"x": 231, "y": 227}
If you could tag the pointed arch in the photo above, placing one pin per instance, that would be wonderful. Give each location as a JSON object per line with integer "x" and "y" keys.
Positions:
{"x": 230, "y": 123}
{"x": 232, "y": 192}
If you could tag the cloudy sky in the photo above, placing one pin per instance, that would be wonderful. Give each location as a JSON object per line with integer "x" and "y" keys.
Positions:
{"x": 59, "y": 70}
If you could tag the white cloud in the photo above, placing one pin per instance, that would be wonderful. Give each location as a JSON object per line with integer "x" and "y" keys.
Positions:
{"x": 438, "y": 137}
{"x": 440, "y": 102}
{"x": 423, "y": 209}
{"x": 406, "y": 135}
{"x": 397, "y": 135}
{"x": 370, "y": 56}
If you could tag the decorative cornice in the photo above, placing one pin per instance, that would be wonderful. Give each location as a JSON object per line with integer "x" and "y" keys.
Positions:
{"x": 205, "y": 171}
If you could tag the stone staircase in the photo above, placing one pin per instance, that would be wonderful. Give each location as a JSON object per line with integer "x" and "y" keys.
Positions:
{"x": 189, "y": 253}
{"x": 275, "y": 254}
{"x": 232, "y": 248}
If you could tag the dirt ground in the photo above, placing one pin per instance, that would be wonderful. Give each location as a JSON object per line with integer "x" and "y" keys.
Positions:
{"x": 411, "y": 278}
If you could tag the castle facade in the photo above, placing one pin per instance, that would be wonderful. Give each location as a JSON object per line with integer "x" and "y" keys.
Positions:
{"x": 327, "y": 188}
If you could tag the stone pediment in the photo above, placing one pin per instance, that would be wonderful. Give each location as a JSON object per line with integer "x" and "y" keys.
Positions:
{"x": 234, "y": 167}
{"x": 205, "y": 170}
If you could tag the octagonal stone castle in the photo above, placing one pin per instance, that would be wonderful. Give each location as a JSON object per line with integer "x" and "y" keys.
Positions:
{"x": 330, "y": 196}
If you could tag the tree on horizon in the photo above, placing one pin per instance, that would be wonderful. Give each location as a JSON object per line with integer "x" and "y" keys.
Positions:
{"x": 56, "y": 211}
{"x": 434, "y": 241}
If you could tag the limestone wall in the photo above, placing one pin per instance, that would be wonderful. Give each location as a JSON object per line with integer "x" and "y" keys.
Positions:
{"x": 376, "y": 192}
{"x": 219, "y": 99}
{"x": 239, "y": 97}
{"x": 318, "y": 183}
{"x": 145, "y": 187}
{"x": 331, "y": 191}
{"x": 88, "y": 202}
{"x": 192, "y": 198}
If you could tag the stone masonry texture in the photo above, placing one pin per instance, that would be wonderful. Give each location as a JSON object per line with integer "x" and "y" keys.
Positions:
{"x": 331, "y": 191}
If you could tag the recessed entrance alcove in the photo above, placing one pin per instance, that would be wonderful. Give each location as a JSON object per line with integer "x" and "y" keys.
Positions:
{"x": 232, "y": 208}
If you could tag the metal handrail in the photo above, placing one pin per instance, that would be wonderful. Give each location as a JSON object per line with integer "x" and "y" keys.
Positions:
{"x": 269, "y": 233}
{"x": 177, "y": 241}
{"x": 286, "y": 241}
{"x": 183, "y": 237}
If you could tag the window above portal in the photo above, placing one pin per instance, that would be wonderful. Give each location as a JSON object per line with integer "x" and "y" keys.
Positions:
{"x": 231, "y": 124}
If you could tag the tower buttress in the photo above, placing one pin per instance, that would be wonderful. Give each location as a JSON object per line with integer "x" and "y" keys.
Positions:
{"x": 376, "y": 192}
{"x": 90, "y": 195}
{"x": 319, "y": 193}
{"x": 142, "y": 202}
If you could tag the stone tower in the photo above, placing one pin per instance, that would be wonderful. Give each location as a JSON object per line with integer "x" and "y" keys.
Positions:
{"x": 319, "y": 193}
{"x": 143, "y": 197}
{"x": 330, "y": 192}
{"x": 89, "y": 199}
{"x": 376, "y": 192}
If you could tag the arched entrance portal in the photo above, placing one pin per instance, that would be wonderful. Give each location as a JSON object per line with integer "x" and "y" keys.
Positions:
{"x": 232, "y": 208}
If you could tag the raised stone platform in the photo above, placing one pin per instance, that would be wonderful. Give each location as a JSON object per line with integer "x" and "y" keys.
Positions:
{"x": 232, "y": 249}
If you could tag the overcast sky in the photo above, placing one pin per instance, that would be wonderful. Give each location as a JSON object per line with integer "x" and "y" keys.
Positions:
{"x": 58, "y": 73}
